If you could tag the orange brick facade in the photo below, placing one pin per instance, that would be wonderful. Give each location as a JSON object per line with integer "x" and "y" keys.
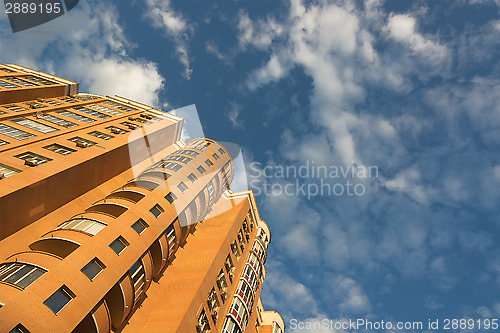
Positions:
{"x": 111, "y": 222}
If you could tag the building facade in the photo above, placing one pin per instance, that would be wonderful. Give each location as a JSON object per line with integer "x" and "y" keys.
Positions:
{"x": 110, "y": 222}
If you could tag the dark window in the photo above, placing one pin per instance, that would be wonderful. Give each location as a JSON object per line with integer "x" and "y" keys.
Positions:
{"x": 81, "y": 142}
{"x": 201, "y": 170}
{"x": 59, "y": 299}
{"x": 215, "y": 156}
{"x": 119, "y": 245}
{"x": 20, "y": 274}
{"x": 33, "y": 159}
{"x": 101, "y": 135}
{"x": 182, "y": 186}
{"x": 209, "y": 163}
{"x": 156, "y": 210}
{"x": 192, "y": 178}
{"x": 93, "y": 268}
{"x": 60, "y": 149}
{"x": 139, "y": 226}
{"x": 170, "y": 197}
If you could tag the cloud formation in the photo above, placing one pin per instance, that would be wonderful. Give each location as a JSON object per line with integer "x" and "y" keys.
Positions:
{"x": 173, "y": 25}
{"x": 389, "y": 91}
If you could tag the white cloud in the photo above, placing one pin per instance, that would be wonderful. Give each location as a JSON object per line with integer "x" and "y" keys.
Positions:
{"x": 409, "y": 182}
{"x": 402, "y": 27}
{"x": 259, "y": 34}
{"x": 351, "y": 296}
{"x": 174, "y": 25}
{"x": 136, "y": 80}
{"x": 233, "y": 113}
{"x": 280, "y": 288}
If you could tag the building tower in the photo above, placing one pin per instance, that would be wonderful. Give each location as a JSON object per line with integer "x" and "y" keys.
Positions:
{"x": 110, "y": 222}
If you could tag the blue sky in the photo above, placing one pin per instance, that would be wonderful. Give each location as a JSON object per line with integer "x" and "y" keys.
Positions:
{"x": 412, "y": 88}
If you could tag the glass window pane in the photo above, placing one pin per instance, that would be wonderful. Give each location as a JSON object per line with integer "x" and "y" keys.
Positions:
{"x": 93, "y": 268}
{"x": 18, "y": 274}
{"x": 139, "y": 226}
{"x": 95, "y": 228}
{"x": 118, "y": 245}
{"x": 8, "y": 269}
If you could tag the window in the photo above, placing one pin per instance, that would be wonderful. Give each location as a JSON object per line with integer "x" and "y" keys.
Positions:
{"x": 59, "y": 299}
{"x": 170, "y": 232}
{"x": 213, "y": 300}
{"x": 116, "y": 130}
{"x": 138, "y": 276}
{"x": 156, "y": 210}
{"x": 215, "y": 156}
{"x": 40, "y": 80}
{"x": 118, "y": 106}
{"x": 20, "y": 81}
{"x": 118, "y": 245}
{"x": 105, "y": 109}
{"x": 188, "y": 152}
{"x": 245, "y": 290}
{"x": 58, "y": 121}
{"x": 19, "y": 329}
{"x": 93, "y": 268}
{"x": 15, "y": 108}
{"x": 5, "y": 84}
{"x": 101, "y": 135}
{"x": 2, "y": 142}
{"x": 7, "y": 171}
{"x": 210, "y": 189}
{"x": 209, "y": 163}
{"x": 235, "y": 250}
{"x": 90, "y": 112}
{"x": 81, "y": 142}
{"x": 33, "y": 159}
{"x": 35, "y": 125}
{"x": 222, "y": 151}
{"x": 172, "y": 166}
{"x": 144, "y": 121}
{"x": 228, "y": 265}
{"x": 14, "y": 132}
{"x": 139, "y": 226}
{"x": 35, "y": 105}
{"x": 87, "y": 98}
{"x": 130, "y": 125}
{"x": 170, "y": 197}
{"x": 221, "y": 281}
{"x": 20, "y": 274}
{"x": 203, "y": 325}
{"x": 57, "y": 148}
{"x": 179, "y": 158}
{"x": 182, "y": 186}
{"x": 230, "y": 326}
{"x": 201, "y": 170}
{"x": 52, "y": 102}
{"x": 68, "y": 99}
{"x": 192, "y": 178}
{"x": 75, "y": 116}
{"x": 91, "y": 227}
